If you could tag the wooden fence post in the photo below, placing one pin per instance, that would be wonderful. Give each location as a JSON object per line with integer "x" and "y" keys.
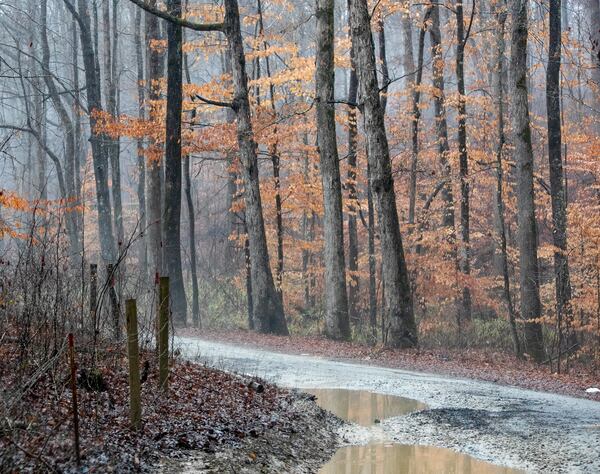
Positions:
{"x": 163, "y": 334}
{"x": 135, "y": 402}
{"x": 74, "y": 397}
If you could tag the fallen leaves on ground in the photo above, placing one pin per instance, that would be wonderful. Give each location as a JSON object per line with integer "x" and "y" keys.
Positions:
{"x": 205, "y": 409}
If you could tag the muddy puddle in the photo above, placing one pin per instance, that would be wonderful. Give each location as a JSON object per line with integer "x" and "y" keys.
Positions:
{"x": 362, "y": 407}
{"x": 368, "y": 409}
{"x": 405, "y": 459}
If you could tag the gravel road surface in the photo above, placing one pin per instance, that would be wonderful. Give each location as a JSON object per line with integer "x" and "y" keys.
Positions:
{"x": 533, "y": 431}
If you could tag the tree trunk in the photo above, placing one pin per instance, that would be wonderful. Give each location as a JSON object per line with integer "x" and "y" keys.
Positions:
{"x": 141, "y": 157}
{"x": 99, "y": 156}
{"x": 275, "y": 159}
{"x": 354, "y": 280}
{"x": 232, "y": 217}
{"x": 558, "y": 196}
{"x": 529, "y": 271}
{"x": 248, "y": 268}
{"x": 463, "y": 158}
{"x": 385, "y": 75}
{"x": 440, "y": 119}
{"x": 80, "y": 148}
{"x": 416, "y": 99}
{"x": 498, "y": 75}
{"x": 196, "y": 318}
{"x": 111, "y": 43}
{"x": 154, "y": 158}
{"x": 337, "y": 325}
{"x": 307, "y": 233}
{"x": 172, "y": 203}
{"x": 372, "y": 260}
{"x": 69, "y": 195}
{"x": 268, "y": 314}
{"x": 592, "y": 12}
{"x": 398, "y": 299}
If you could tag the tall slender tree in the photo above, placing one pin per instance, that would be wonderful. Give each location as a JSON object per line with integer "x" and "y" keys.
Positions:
{"x": 398, "y": 306}
{"x": 531, "y": 307}
{"x": 268, "y": 314}
{"x": 97, "y": 139}
{"x": 463, "y": 156}
{"x": 111, "y": 95}
{"x": 557, "y": 195}
{"x": 353, "y": 279}
{"x": 273, "y": 148}
{"x": 141, "y": 157}
{"x": 592, "y": 8}
{"x": 154, "y": 168}
{"x": 413, "y": 82}
{"x": 173, "y": 175}
{"x": 196, "y": 318}
{"x": 336, "y": 320}
{"x": 500, "y": 14}
{"x": 439, "y": 100}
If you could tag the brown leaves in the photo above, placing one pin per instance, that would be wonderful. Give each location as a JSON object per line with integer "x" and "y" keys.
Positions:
{"x": 205, "y": 409}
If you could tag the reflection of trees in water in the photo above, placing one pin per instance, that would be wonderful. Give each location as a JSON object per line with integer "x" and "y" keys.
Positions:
{"x": 402, "y": 459}
{"x": 363, "y": 407}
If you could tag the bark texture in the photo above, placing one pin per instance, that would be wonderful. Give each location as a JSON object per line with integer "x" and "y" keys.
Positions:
{"x": 154, "y": 162}
{"x": 557, "y": 189}
{"x": 196, "y": 318}
{"x": 99, "y": 156}
{"x": 353, "y": 279}
{"x": 141, "y": 157}
{"x": 498, "y": 75}
{"x": 267, "y": 305}
{"x": 440, "y": 118}
{"x": 463, "y": 158}
{"x": 337, "y": 324}
{"x": 398, "y": 306}
{"x": 593, "y": 15}
{"x": 173, "y": 175}
{"x": 527, "y": 239}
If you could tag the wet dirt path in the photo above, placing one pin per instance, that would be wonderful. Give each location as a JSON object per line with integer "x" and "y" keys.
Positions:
{"x": 533, "y": 431}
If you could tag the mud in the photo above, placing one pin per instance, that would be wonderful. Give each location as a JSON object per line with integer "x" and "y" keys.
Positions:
{"x": 521, "y": 429}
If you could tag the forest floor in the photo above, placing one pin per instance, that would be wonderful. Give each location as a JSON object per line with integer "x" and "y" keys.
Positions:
{"x": 535, "y": 431}
{"x": 232, "y": 423}
{"x": 479, "y": 364}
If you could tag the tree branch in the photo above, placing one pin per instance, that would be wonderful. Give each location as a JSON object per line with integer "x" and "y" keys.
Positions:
{"x": 74, "y": 12}
{"x": 470, "y": 25}
{"x": 218, "y": 103}
{"x": 178, "y": 21}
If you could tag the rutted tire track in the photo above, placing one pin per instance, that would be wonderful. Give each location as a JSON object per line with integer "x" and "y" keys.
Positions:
{"x": 535, "y": 431}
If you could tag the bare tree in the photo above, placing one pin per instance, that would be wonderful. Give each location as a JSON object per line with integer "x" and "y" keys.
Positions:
{"x": 97, "y": 139}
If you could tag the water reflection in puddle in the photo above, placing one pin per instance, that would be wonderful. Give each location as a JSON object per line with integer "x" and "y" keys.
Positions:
{"x": 366, "y": 408}
{"x": 363, "y": 407}
{"x": 406, "y": 459}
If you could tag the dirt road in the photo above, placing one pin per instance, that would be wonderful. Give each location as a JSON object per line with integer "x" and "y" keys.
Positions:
{"x": 534, "y": 431}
